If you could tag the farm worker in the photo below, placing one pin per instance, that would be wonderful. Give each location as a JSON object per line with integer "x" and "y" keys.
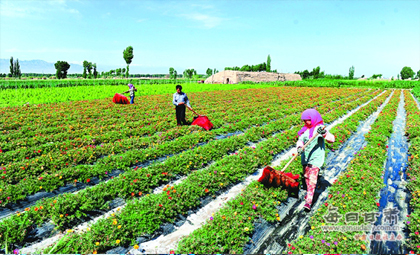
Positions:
{"x": 131, "y": 90}
{"x": 313, "y": 156}
{"x": 180, "y": 99}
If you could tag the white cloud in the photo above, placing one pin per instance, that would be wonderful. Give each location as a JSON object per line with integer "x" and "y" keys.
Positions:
{"x": 207, "y": 20}
{"x": 141, "y": 20}
{"x": 11, "y": 9}
{"x": 205, "y": 15}
{"x": 202, "y": 6}
{"x": 32, "y": 8}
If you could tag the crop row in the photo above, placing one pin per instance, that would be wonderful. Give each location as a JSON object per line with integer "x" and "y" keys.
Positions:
{"x": 413, "y": 171}
{"x": 354, "y": 191}
{"x": 132, "y": 183}
{"x": 145, "y": 216}
{"x": 19, "y": 97}
{"x": 416, "y": 91}
{"x": 30, "y": 182}
{"x": 102, "y": 132}
{"x": 150, "y": 109}
{"x": 21, "y": 147}
{"x": 255, "y": 202}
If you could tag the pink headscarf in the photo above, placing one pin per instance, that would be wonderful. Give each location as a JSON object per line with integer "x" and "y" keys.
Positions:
{"x": 316, "y": 119}
{"x": 130, "y": 85}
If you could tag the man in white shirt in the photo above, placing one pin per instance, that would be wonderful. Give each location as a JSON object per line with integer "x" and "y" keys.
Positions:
{"x": 180, "y": 99}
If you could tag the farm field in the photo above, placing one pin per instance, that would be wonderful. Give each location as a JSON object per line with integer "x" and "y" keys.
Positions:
{"x": 80, "y": 174}
{"x": 22, "y": 92}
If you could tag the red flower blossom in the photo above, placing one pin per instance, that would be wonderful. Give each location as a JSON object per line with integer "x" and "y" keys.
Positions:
{"x": 36, "y": 209}
{"x": 165, "y": 173}
{"x": 326, "y": 204}
{"x": 377, "y": 204}
{"x": 67, "y": 214}
{"x": 148, "y": 175}
{"x": 88, "y": 180}
{"x": 170, "y": 197}
{"x": 140, "y": 193}
{"x": 206, "y": 190}
{"x": 160, "y": 205}
{"x": 289, "y": 244}
{"x": 132, "y": 194}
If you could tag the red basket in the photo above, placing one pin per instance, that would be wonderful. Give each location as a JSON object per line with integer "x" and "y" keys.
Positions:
{"x": 120, "y": 99}
{"x": 203, "y": 122}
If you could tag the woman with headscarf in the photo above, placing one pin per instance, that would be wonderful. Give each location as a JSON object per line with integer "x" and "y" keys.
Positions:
{"x": 131, "y": 90}
{"x": 313, "y": 156}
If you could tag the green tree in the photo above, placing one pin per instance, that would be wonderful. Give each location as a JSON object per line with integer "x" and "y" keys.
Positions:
{"x": 246, "y": 68}
{"x": 118, "y": 71}
{"x": 188, "y": 73}
{"x": 268, "y": 63}
{"x": 175, "y": 74}
{"x": 374, "y": 76}
{"x": 95, "y": 72}
{"x": 89, "y": 69}
{"x": 85, "y": 65}
{"x": 171, "y": 72}
{"x": 128, "y": 57}
{"x": 209, "y": 72}
{"x": 351, "y": 73}
{"x": 17, "y": 72}
{"x": 315, "y": 72}
{"x": 418, "y": 74}
{"x": 406, "y": 73}
{"x": 305, "y": 74}
{"x": 215, "y": 71}
{"x": 61, "y": 69}
{"x": 12, "y": 70}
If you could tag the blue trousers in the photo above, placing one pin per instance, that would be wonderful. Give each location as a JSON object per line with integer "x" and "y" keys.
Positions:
{"x": 132, "y": 100}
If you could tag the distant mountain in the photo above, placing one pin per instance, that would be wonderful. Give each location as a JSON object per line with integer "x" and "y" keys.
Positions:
{"x": 37, "y": 66}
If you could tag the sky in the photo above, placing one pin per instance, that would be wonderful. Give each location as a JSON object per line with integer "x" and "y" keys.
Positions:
{"x": 376, "y": 37}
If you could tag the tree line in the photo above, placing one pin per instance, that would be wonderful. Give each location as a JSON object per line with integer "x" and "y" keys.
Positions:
{"x": 263, "y": 67}
{"x": 405, "y": 73}
{"x": 62, "y": 67}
